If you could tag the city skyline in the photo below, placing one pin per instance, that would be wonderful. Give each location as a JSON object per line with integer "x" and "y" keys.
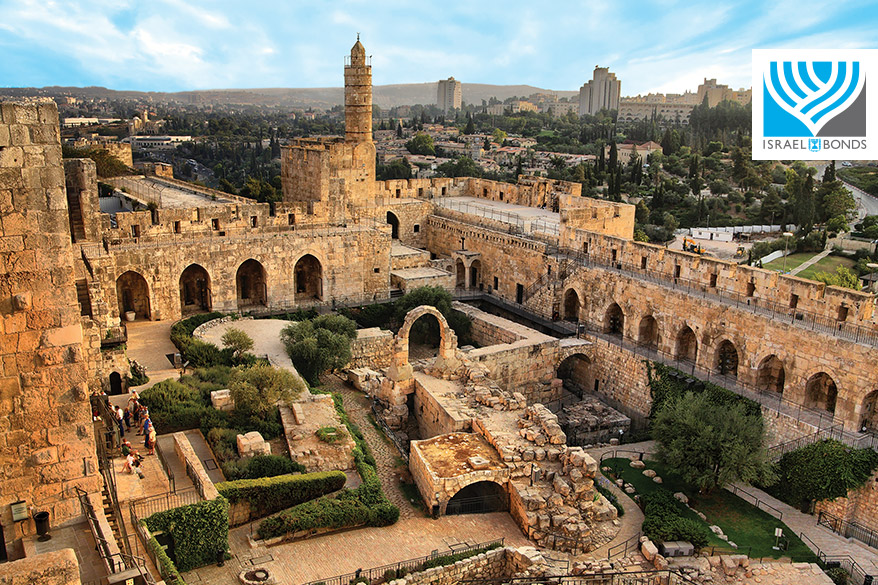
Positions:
{"x": 173, "y": 45}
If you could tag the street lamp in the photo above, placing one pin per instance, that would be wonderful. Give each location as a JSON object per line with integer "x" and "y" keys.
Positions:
{"x": 785, "y": 243}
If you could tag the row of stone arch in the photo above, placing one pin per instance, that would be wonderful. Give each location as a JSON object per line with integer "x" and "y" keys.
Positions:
{"x": 821, "y": 390}
{"x": 196, "y": 294}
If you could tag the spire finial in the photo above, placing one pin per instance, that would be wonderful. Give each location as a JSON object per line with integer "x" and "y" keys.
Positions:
{"x": 358, "y": 36}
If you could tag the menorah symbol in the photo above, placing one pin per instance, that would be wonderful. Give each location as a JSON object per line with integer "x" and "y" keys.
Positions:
{"x": 814, "y": 99}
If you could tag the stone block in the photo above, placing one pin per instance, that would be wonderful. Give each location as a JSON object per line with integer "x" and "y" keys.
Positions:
{"x": 252, "y": 444}
{"x": 648, "y": 550}
{"x": 222, "y": 400}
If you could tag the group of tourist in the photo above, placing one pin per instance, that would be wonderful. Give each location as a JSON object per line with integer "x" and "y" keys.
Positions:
{"x": 136, "y": 415}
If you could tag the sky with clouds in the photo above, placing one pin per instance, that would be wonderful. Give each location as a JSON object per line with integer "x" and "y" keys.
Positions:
{"x": 175, "y": 45}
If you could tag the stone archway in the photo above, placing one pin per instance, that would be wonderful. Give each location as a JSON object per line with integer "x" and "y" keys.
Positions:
{"x": 614, "y": 320}
{"x": 475, "y": 273}
{"x": 460, "y": 273}
{"x": 727, "y": 359}
{"x": 400, "y": 368}
{"x": 571, "y": 305}
{"x": 251, "y": 285}
{"x": 576, "y": 373}
{"x": 394, "y": 225}
{"x": 686, "y": 349}
{"x": 647, "y": 332}
{"x": 116, "y": 385}
{"x": 308, "y": 275}
{"x": 821, "y": 392}
{"x": 481, "y": 497}
{"x": 132, "y": 292}
{"x": 194, "y": 289}
{"x": 770, "y": 375}
{"x": 869, "y": 416}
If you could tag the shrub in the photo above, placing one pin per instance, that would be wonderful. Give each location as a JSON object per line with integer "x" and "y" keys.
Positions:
{"x": 664, "y": 520}
{"x": 268, "y": 495}
{"x": 258, "y": 388}
{"x": 198, "y": 531}
{"x": 322, "y": 513}
{"x": 260, "y": 466}
{"x": 167, "y": 568}
{"x": 319, "y": 345}
{"x": 838, "y": 575}
{"x": 328, "y": 434}
{"x": 236, "y": 340}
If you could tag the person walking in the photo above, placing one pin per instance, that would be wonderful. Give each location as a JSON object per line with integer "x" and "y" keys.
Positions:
{"x": 151, "y": 439}
{"x": 120, "y": 419}
{"x": 126, "y": 416}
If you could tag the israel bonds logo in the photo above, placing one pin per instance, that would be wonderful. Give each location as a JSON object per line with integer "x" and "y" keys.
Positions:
{"x": 811, "y": 104}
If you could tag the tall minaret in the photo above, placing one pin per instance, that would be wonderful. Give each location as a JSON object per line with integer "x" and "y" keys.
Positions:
{"x": 358, "y": 96}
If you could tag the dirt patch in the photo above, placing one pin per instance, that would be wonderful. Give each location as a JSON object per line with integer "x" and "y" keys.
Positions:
{"x": 448, "y": 455}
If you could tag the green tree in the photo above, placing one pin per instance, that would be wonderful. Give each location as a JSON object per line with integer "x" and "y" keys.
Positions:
{"x": 498, "y": 136}
{"x": 470, "y": 126}
{"x": 708, "y": 444}
{"x": 258, "y": 388}
{"x": 319, "y": 344}
{"x": 421, "y": 143}
{"x": 462, "y": 167}
{"x": 237, "y": 340}
{"x": 838, "y": 201}
{"x": 844, "y": 277}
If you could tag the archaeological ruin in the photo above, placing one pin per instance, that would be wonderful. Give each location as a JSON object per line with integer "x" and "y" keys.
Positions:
{"x": 567, "y": 312}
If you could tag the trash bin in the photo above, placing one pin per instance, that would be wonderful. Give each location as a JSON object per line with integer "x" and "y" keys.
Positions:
{"x": 42, "y": 521}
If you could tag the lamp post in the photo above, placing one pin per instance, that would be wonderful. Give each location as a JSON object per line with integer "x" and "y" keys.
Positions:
{"x": 785, "y": 243}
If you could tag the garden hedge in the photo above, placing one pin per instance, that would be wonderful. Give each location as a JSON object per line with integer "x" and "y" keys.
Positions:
{"x": 199, "y": 531}
{"x": 664, "y": 522}
{"x": 268, "y": 495}
{"x": 167, "y": 568}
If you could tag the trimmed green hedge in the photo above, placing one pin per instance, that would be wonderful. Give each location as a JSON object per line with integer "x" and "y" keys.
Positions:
{"x": 268, "y": 495}
{"x": 261, "y": 466}
{"x": 663, "y": 520}
{"x": 198, "y": 530}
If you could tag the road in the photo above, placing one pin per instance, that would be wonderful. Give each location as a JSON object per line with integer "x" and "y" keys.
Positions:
{"x": 866, "y": 204}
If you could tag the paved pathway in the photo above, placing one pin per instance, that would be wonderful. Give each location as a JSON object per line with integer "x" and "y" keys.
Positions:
{"x": 810, "y": 262}
{"x": 149, "y": 342}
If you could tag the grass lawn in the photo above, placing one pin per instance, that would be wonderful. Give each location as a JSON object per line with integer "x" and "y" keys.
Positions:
{"x": 793, "y": 260}
{"x": 828, "y": 264}
{"x": 745, "y": 525}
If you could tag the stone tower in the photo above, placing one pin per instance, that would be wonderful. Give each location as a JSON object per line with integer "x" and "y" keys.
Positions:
{"x": 358, "y": 96}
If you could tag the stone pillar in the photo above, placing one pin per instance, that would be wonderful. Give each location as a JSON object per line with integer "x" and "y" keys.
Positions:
{"x": 47, "y": 444}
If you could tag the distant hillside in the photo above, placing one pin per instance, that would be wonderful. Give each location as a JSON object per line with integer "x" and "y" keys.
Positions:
{"x": 384, "y": 96}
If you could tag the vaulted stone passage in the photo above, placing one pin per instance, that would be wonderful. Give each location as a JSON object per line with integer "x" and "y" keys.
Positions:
{"x": 309, "y": 278}
{"x": 576, "y": 372}
{"x": 686, "y": 348}
{"x": 481, "y": 497}
{"x": 194, "y": 289}
{"x": 133, "y": 294}
{"x": 614, "y": 320}
{"x": 727, "y": 359}
{"x": 821, "y": 392}
{"x": 571, "y": 305}
{"x": 770, "y": 376}
{"x": 647, "y": 332}
{"x": 251, "y": 284}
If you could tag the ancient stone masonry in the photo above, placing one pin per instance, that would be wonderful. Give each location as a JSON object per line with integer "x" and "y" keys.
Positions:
{"x": 46, "y": 434}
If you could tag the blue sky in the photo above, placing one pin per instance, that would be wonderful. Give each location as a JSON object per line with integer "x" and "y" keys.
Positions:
{"x": 174, "y": 45}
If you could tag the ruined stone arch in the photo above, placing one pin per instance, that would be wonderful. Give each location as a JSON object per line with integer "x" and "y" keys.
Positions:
{"x": 572, "y": 305}
{"x": 821, "y": 392}
{"x": 770, "y": 375}
{"x": 308, "y": 277}
{"x": 132, "y": 293}
{"x": 195, "y": 292}
{"x": 614, "y": 320}
{"x": 686, "y": 345}
{"x": 648, "y": 332}
{"x": 400, "y": 368}
{"x": 727, "y": 358}
{"x": 251, "y": 284}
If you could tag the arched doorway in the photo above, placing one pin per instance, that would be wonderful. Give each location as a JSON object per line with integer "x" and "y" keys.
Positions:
{"x": 686, "y": 348}
{"x": 870, "y": 412}
{"x": 132, "y": 293}
{"x": 821, "y": 392}
{"x": 394, "y": 225}
{"x": 571, "y": 305}
{"x": 770, "y": 375}
{"x": 647, "y": 332}
{"x": 424, "y": 337}
{"x": 475, "y": 274}
{"x": 576, "y": 373}
{"x": 460, "y": 270}
{"x": 727, "y": 359}
{"x": 194, "y": 289}
{"x": 481, "y": 497}
{"x": 115, "y": 383}
{"x": 614, "y": 320}
{"x": 251, "y": 284}
{"x": 309, "y": 278}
